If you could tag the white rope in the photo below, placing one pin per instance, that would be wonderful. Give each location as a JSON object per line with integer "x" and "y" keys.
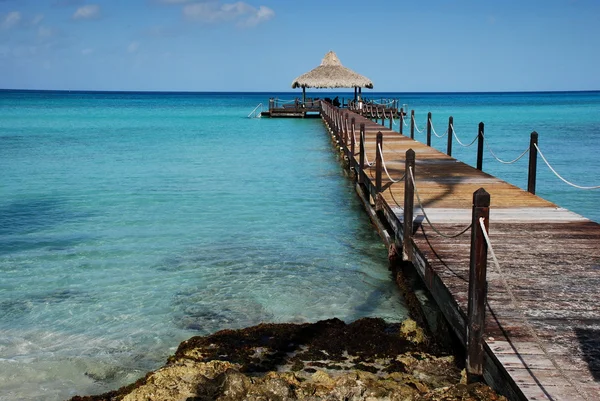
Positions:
{"x": 519, "y": 309}
{"x": 365, "y": 150}
{"x": 417, "y": 128}
{"x": 385, "y": 168}
{"x": 559, "y": 176}
{"x": 503, "y": 161}
{"x": 404, "y": 121}
{"x": 412, "y": 177}
{"x": 354, "y": 135}
{"x": 384, "y": 102}
{"x": 435, "y": 133}
{"x": 458, "y": 140}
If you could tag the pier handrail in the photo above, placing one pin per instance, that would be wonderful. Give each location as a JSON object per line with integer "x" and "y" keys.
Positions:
{"x": 427, "y": 217}
{"x": 435, "y": 133}
{"x": 559, "y": 176}
{"x": 504, "y": 161}
{"x": 385, "y": 167}
{"x": 415, "y": 121}
{"x": 253, "y": 113}
{"x": 459, "y": 141}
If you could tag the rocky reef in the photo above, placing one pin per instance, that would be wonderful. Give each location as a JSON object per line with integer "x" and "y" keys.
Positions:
{"x": 328, "y": 360}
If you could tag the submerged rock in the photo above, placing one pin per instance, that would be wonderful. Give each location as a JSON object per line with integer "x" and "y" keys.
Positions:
{"x": 328, "y": 360}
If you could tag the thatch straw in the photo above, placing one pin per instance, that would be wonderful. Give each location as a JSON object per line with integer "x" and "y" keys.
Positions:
{"x": 331, "y": 74}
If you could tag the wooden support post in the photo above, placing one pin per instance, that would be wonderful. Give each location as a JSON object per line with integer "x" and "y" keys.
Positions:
{"x": 429, "y": 129}
{"x": 480, "y": 140}
{"x": 409, "y": 200}
{"x": 382, "y": 116}
{"x": 412, "y": 124}
{"x": 532, "y": 162}
{"x": 362, "y": 153}
{"x": 378, "y": 163}
{"x": 401, "y": 122}
{"x": 352, "y": 137}
{"x": 477, "y": 287}
{"x": 450, "y": 129}
{"x": 391, "y": 120}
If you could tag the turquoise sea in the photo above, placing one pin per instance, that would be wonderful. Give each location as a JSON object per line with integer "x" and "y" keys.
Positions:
{"x": 130, "y": 222}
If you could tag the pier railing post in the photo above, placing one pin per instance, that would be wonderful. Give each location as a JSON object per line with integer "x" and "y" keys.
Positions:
{"x": 429, "y": 129}
{"x": 532, "y": 162}
{"x": 412, "y": 124}
{"x": 480, "y": 140}
{"x": 352, "y": 142}
{"x": 401, "y": 121}
{"x": 391, "y": 120}
{"x": 362, "y": 153}
{"x": 477, "y": 286}
{"x": 409, "y": 199}
{"x": 378, "y": 164}
{"x": 450, "y": 128}
{"x": 382, "y": 115}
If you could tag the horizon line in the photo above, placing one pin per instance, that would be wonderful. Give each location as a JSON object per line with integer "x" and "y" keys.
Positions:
{"x": 288, "y": 92}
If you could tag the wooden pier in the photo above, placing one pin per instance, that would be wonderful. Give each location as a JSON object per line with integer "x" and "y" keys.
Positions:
{"x": 536, "y": 336}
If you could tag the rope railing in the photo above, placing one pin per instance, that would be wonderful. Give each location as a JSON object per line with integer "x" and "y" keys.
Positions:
{"x": 412, "y": 177}
{"x": 517, "y": 306}
{"x": 384, "y": 102}
{"x": 435, "y": 133}
{"x": 417, "y": 128}
{"x": 286, "y": 101}
{"x": 365, "y": 152}
{"x": 559, "y": 176}
{"x": 385, "y": 168}
{"x": 504, "y": 161}
{"x": 459, "y": 141}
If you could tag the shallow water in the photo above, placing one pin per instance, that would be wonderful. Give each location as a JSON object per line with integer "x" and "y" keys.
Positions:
{"x": 130, "y": 222}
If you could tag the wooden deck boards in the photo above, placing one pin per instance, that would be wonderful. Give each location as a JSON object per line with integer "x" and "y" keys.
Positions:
{"x": 543, "y": 317}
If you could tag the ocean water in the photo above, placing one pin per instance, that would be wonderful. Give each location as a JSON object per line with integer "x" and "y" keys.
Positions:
{"x": 568, "y": 127}
{"x": 131, "y": 222}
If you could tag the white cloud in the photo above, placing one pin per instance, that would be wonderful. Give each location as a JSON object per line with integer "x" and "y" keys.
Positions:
{"x": 45, "y": 32}
{"x": 37, "y": 19}
{"x": 11, "y": 20}
{"x": 133, "y": 47}
{"x": 213, "y": 11}
{"x": 88, "y": 11}
{"x": 263, "y": 14}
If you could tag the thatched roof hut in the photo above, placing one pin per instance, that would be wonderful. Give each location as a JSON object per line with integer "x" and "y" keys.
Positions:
{"x": 331, "y": 74}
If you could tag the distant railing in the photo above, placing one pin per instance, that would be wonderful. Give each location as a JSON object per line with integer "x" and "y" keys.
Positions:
{"x": 256, "y": 113}
{"x": 295, "y": 105}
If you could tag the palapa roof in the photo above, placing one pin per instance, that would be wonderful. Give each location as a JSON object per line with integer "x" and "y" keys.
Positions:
{"x": 332, "y": 74}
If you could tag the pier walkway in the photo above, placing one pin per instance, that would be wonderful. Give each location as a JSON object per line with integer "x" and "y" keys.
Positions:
{"x": 542, "y": 317}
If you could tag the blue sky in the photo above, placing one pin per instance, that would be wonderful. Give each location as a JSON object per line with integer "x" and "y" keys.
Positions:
{"x": 262, "y": 45}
